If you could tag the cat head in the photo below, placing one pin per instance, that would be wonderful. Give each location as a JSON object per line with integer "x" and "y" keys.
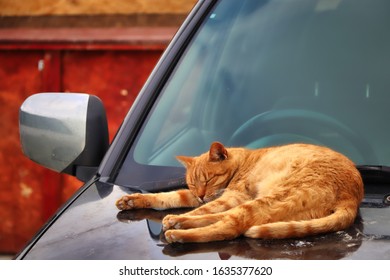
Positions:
{"x": 208, "y": 175}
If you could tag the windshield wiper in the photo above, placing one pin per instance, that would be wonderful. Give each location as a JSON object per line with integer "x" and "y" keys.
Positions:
{"x": 159, "y": 186}
{"x": 165, "y": 185}
{"x": 374, "y": 173}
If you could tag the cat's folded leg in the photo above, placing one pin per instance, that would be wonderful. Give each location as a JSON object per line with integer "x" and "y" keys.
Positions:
{"x": 164, "y": 200}
{"x": 212, "y": 227}
{"x": 225, "y": 229}
{"x": 221, "y": 226}
{"x": 206, "y": 214}
{"x": 185, "y": 221}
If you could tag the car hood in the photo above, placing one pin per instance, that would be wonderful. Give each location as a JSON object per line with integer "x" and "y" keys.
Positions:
{"x": 92, "y": 228}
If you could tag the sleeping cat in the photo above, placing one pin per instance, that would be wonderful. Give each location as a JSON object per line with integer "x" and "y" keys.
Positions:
{"x": 279, "y": 192}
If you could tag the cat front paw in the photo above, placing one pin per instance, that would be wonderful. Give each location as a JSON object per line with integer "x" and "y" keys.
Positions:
{"x": 171, "y": 221}
{"x": 173, "y": 236}
{"x": 131, "y": 201}
{"x": 124, "y": 203}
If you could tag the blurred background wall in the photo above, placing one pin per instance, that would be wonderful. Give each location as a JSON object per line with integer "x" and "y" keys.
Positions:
{"x": 102, "y": 47}
{"x": 68, "y": 7}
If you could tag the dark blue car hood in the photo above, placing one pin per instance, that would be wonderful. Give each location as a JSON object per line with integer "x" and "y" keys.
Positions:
{"x": 92, "y": 228}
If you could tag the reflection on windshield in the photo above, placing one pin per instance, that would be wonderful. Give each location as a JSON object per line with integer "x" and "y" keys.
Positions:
{"x": 262, "y": 73}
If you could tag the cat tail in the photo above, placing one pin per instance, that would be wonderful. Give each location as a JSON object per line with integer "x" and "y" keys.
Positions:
{"x": 341, "y": 219}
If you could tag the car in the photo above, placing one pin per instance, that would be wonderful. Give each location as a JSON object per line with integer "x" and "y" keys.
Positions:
{"x": 252, "y": 73}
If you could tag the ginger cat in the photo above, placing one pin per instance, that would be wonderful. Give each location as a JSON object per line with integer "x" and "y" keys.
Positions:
{"x": 279, "y": 192}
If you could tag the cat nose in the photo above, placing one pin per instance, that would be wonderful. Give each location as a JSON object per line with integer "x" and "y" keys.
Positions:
{"x": 201, "y": 196}
{"x": 201, "y": 192}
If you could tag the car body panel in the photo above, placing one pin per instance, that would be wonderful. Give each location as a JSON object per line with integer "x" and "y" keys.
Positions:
{"x": 92, "y": 228}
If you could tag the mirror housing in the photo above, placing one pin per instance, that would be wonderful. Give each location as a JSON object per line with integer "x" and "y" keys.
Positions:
{"x": 65, "y": 132}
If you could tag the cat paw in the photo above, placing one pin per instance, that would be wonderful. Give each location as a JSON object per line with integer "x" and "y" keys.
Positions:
{"x": 169, "y": 221}
{"x": 123, "y": 203}
{"x": 130, "y": 201}
{"x": 172, "y": 236}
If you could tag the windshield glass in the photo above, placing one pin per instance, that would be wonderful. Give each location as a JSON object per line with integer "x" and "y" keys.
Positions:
{"x": 262, "y": 73}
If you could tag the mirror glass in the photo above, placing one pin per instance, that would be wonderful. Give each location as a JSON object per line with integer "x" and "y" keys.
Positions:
{"x": 53, "y": 128}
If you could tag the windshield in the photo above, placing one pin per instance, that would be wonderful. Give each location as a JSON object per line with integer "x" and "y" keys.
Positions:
{"x": 263, "y": 73}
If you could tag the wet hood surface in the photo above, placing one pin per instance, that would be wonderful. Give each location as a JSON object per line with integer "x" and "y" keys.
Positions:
{"x": 93, "y": 228}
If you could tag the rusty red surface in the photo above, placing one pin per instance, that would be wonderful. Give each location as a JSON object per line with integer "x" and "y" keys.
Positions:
{"x": 20, "y": 180}
{"x": 111, "y": 65}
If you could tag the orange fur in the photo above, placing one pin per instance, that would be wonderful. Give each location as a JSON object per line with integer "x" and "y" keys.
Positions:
{"x": 279, "y": 192}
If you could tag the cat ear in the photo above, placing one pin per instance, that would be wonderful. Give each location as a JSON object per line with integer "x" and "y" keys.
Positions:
{"x": 186, "y": 161}
{"x": 217, "y": 152}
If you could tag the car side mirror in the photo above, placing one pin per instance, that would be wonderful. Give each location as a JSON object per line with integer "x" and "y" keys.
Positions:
{"x": 65, "y": 132}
